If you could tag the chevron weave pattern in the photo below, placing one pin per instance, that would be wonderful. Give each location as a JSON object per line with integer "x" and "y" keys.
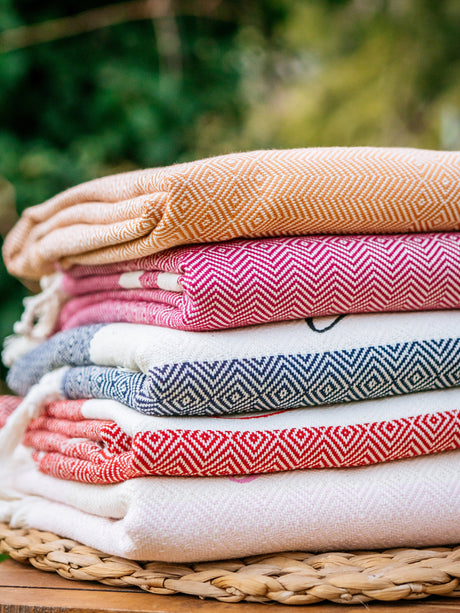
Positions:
{"x": 68, "y": 446}
{"x": 8, "y": 404}
{"x": 260, "y": 193}
{"x": 273, "y": 382}
{"x": 221, "y": 453}
{"x": 161, "y": 371}
{"x": 242, "y": 283}
{"x": 411, "y": 502}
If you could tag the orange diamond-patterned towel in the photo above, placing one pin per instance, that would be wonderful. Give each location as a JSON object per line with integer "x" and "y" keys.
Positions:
{"x": 260, "y": 193}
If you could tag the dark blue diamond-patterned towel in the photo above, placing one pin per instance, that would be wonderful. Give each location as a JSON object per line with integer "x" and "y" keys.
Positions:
{"x": 312, "y": 362}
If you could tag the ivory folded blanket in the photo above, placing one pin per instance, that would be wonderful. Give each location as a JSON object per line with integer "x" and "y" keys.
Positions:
{"x": 239, "y": 283}
{"x": 261, "y": 193}
{"x": 162, "y": 371}
{"x": 407, "y": 503}
{"x": 102, "y": 441}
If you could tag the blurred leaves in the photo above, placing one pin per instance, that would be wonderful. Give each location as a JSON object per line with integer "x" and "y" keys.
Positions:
{"x": 11, "y": 290}
{"x": 351, "y": 73}
{"x": 7, "y": 206}
{"x": 81, "y": 107}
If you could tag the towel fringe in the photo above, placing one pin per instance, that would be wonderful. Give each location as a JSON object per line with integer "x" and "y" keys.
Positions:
{"x": 41, "y": 311}
{"x": 48, "y": 389}
{"x": 15, "y": 346}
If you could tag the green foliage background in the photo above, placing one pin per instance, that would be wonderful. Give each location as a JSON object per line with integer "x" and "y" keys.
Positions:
{"x": 251, "y": 74}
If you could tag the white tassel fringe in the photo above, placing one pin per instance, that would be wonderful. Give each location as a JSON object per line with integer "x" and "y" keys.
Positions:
{"x": 41, "y": 311}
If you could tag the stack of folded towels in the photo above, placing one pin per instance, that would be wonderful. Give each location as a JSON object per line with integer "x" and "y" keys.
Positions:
{"x": 252, "y": 353}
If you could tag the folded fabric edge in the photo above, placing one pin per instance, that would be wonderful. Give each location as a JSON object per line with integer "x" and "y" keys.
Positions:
{"x": 336, "y": 436}
{"x": 203, "y": 519}
{"x": 48, "y": 388}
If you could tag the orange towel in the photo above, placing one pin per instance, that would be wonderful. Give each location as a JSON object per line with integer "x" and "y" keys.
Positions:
{"x": 260, "y": 193}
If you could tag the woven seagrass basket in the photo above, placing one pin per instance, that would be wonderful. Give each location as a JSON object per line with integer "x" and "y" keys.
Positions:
{"x": 294, "y": 578}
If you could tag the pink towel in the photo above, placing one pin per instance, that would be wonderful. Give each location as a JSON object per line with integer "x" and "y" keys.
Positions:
{"x": 241, "y": 283}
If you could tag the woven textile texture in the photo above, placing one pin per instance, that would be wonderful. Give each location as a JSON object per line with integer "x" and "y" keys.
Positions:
{"x": 8, "y": 404}
{"x": 261, "y": 193}
{"x": 407, "y": 503}
{"x": 162, "y": 371}
{"x": 101, "y": 441}
{"x": 239, "y": 283}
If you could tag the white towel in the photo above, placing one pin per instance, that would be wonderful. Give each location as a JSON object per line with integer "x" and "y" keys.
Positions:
{"x": 408, "y": 503}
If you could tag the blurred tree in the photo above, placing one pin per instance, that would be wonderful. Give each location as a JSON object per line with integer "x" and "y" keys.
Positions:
{"x": 96, "y": 100}
{"x": 110, "y": 99}
{"x": 350, "y": 72}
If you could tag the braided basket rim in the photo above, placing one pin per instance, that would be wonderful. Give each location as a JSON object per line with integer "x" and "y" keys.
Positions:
{"x": 292, "y": 578}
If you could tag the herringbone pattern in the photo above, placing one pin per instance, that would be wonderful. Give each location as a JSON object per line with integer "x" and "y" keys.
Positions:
{"x": 269, "y": 383}
{"x": 68, "y": 446}
{"x": 260, "y": 193}
{"x": 242, "y": 283}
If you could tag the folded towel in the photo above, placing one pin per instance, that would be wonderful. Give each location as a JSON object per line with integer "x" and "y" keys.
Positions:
{"x": 162, "y": 371}
{"x": 407, "y": 503}
{"x": 261, "y": 193}
{"x": 239, "y": 283}
{"x": 102, "y": 441}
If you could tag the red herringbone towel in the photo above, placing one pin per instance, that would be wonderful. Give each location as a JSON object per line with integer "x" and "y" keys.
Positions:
{"x": 102, "y": 441}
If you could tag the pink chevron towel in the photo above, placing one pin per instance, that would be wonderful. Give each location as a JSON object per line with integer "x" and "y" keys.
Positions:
{"x": 241, "y": 283}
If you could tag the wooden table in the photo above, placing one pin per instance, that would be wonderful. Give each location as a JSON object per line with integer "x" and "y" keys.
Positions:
{"x": 26, "y": 590}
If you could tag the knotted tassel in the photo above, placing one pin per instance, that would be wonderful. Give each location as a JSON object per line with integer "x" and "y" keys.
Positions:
{"x": 41, "y": 311}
